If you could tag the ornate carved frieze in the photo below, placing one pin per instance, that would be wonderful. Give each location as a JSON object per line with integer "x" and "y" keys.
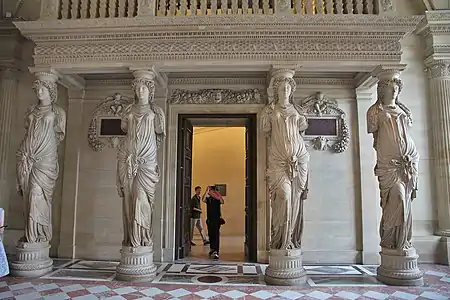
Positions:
{"x": 106, "y": 115}
{"x": 216, "y": 96}
{"x": 328, "y": 127}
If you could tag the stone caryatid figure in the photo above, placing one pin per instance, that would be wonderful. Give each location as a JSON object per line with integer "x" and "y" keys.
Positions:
{"x": 389, "y": 121}
{"x": 37, "y": 172}
{"x": 287, "y": 178}
{"x": 137, "y": 169}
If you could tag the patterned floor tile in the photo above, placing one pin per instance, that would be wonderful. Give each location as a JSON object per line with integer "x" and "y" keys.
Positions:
{"x": 174, "y": 282}
{"x": 331, "y": 270}
{"x": 96, "y": 265}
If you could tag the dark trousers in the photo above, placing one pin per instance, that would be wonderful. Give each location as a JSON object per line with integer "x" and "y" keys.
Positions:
{"x": 214, "y": 235}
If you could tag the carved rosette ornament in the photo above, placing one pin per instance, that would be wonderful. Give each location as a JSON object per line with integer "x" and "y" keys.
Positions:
{"x": 216, "y": 96}
{"x": 387, "y": 5}
{"x": 111, "y": 108}
{"x": 320, "y": 107}
{"x": 389, "y": 121}
{"x": 287, "y": 179}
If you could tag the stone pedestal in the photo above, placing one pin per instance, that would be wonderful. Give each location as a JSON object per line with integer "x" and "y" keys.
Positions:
{"x": 32, "y": 260}
{"x": 136, "y": 264}
{"x": 285, "y": 268}
{"x": 399, "y": 267}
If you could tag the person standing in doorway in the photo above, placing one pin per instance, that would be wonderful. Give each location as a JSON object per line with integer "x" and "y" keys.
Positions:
{"x": 213, "y": 200}
{"x": 196, "y": 212}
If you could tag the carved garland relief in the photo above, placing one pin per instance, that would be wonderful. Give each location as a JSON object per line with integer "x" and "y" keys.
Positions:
{"x": 327, "y": 127}
{"x": 104, "y": 129}
{"x": 216, "y": 96}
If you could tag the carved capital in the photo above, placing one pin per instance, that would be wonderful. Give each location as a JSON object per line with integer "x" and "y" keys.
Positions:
{"x": 388, "y": 72}
{"x": 438, "y": 69}
{"x": 9, "y": 73}
{"x": 144, "y": 74}
{"x": 45, "y": 74}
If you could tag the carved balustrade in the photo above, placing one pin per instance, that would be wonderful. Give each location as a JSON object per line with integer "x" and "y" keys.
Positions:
{"x": 89, "y": 9}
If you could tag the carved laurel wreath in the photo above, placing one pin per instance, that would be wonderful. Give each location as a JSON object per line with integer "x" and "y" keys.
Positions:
{"x": 328, "y": 108}
{"x": 113, "y": 106}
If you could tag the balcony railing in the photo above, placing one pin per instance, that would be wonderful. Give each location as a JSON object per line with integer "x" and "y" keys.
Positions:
{"x": 91, "y": 9}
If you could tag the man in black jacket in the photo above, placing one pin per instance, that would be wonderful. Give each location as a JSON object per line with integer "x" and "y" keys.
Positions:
{"x": 213, "y": 201}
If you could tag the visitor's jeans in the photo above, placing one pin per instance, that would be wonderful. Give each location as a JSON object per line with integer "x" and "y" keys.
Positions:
{"x": 214, "y": 235}
{"x": 197, "y": 223}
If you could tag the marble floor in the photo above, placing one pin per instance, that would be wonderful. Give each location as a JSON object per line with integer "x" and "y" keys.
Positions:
{"x": 83, "y": 280}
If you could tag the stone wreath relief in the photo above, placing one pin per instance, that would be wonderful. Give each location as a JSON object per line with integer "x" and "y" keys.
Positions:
{"x": 319, "y": 106}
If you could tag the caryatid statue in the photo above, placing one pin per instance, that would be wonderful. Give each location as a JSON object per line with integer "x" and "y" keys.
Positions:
{"x": 38, "y": 169}
{"x": 287, "y": 173}
{"x": 389, "y": 121}
{"x": 137, "y": 166}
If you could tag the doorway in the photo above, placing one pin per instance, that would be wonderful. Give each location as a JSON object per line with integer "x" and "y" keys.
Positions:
{"x": 186, "y": 124}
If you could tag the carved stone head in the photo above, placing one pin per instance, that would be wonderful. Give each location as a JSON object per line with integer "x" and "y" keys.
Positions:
{"x": 46, "y": 91}
{"x": 144, "y": 90}
{"x": 389, "y": 87}
{"x": 283, "y": 90}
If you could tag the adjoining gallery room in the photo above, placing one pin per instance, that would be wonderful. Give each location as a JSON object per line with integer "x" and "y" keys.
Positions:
{"x": 218, "y": 159}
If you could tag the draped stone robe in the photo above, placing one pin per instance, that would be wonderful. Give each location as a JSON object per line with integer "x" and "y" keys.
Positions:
{"x": 397, "y": 172}
{"x": 138, "y": 172}
{"x": 287, "y": 174}
{"x": 37, "y": 169}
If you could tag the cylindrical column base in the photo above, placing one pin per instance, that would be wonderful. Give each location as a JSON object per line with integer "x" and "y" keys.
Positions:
{"x": 285, "y": 268}
{"x": 136, "y": 264}
{"x": 32, "y": 260}
{"x": 399, "y": 267}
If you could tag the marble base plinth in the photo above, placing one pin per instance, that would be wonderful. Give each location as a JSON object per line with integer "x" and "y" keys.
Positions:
{"x": 399, "y": 267}
{"x": 285, "y": 268}
{"x": 136, "y": 264}
{"x": 32, "y": 260}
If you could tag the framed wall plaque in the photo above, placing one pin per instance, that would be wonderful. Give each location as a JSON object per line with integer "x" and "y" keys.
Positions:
{"x": 327, "y": 127}
{"x": 322, "y": 126}
{"x": 104, "y": 129}
{"x": 110, "y": 126}
{"x": 221, "y": 188}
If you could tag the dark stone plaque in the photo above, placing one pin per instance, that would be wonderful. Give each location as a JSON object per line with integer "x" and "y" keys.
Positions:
{"x": 322, "y": 127}
{"x": 111, "y": 127}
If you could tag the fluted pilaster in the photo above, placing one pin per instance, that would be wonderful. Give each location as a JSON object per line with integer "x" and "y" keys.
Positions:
{"x": 439, "y": 95}
{"x": 8, "y": 91}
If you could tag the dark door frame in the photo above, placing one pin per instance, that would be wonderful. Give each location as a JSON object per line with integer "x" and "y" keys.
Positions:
{"x": 251, "y": 181}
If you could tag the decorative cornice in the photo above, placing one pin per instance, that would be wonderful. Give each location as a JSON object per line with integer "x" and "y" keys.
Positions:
{"x": 435, "y": 29}
{"x": 390, "y": 23}
{"x": 10, "y": 49}
{"x": 261, "y": 39}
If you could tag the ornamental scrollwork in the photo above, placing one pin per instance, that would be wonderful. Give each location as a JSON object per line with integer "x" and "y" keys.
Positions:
{"x": 111, "y": 108}
{"x": 216, "y": 96}
{"x": 319, "y": 109}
